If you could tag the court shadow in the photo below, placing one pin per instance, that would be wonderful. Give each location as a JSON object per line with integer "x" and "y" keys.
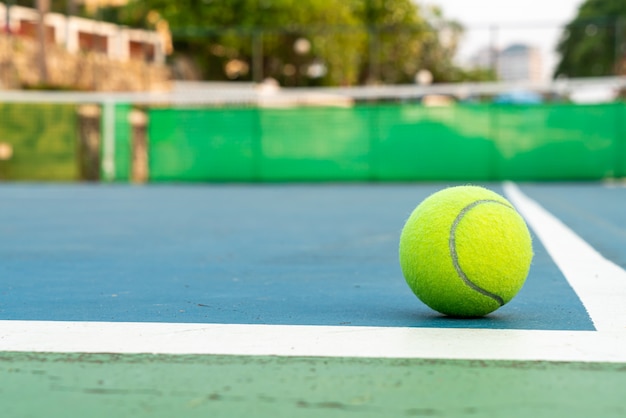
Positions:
{"x": 423, "y": 318}
{"x": 494, "y": 320}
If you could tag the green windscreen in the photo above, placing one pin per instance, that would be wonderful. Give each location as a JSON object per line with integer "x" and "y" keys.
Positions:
{"x": 364, "y": 142}
{"x": 557, "y": 142}
{"x": 388, "y": 142}
{"x": 317, "y": 144}
{"x": 204, "y": 144}
{"x": 123, "y": 143}
{"x": 432, "y": 143}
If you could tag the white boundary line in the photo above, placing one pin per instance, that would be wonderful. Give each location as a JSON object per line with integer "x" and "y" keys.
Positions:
{"x": 600, "y": 284}
{"x": 323, "y": 341}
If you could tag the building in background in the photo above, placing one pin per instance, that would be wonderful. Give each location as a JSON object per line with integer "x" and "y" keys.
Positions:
{"x": 78, "y": 34}
{"x": 65, "y": 51}
{"x": 519, "y": 62}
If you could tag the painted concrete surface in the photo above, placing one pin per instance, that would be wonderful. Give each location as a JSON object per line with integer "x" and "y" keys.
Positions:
{"x": 287, "y": 300}
{"x": 243, "y": 254}
{"x": 105, "y": 385}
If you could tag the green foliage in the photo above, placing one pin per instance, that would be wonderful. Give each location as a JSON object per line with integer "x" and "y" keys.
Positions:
{"x": 440, "y": 45}
{"x": 396, "y": 32}
{"x": 347, "y": 41}
{"x": 43, "y": 138}
{"x": 594, "y": 43}
{"x": 56, "y": 6}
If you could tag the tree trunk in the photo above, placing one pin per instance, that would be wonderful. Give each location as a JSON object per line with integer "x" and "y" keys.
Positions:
{"x": 42, "y": 6}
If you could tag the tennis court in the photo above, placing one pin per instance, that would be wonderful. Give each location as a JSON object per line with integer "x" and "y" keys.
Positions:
{"x": 287, "y": 300}
{"x": 218, "y": 296}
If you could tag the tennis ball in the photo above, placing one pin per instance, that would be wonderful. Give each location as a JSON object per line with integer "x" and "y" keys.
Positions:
{"x": 465, "y": 251}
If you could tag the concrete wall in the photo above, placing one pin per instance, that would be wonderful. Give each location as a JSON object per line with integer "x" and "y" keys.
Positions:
{"x": 83, "y": 70}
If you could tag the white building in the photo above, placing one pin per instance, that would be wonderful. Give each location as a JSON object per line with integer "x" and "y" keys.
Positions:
{"x": 79, "y": 34}
{"x": 519, "y": 62}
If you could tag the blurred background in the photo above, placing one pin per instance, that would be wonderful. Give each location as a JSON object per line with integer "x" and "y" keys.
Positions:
{"x": 305, "y": 43}
{"x": 81, "y": 80}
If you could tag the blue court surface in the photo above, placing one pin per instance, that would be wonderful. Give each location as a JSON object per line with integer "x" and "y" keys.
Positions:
{"x": 259, "y": 254}
{"x": 287, "y": 300}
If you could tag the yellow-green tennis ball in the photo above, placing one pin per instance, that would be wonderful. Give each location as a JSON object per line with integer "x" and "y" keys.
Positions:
{"x": 465, "y": 251}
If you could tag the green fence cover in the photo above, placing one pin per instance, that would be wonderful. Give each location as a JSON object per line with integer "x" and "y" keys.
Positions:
{"x": 557, "y": 142}
{"x": 388, "y": 142}
{"x": 123, "y": 142}
{"x": 374, "y": 142}
{"x": 203, "y": 144}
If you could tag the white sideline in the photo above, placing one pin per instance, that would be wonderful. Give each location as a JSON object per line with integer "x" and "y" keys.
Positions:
{"x": 599, "y": 283}
{"x": 319, "y": 341}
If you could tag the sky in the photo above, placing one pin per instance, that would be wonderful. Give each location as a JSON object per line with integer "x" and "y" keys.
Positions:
{"x": 534, "y": 22}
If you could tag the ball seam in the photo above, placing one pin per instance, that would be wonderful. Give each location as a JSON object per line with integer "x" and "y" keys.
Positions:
{"x": 455, "y": 257}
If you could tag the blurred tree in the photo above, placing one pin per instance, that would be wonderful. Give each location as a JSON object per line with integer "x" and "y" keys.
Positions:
{"x": 43, "y": 6}
{"x": 305, "y": 42}
{"x": 440, "y": 46}
{"x": 58, "y": 6}
{"x": 396, "y": 36}
{"x": 223, "y": 37}
{"x": 594, "y": 43}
